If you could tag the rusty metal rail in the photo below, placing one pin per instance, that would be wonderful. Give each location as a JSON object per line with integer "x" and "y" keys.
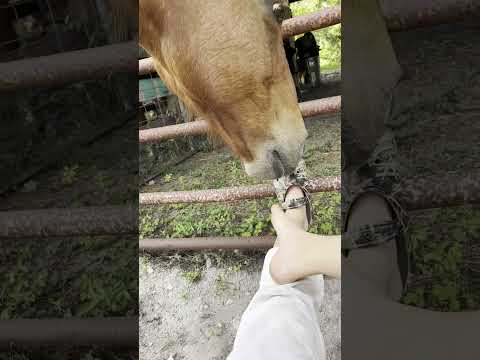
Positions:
{"x": 399, "y": 16}
{"x": 203, "y": 243}
{"x": 68, "y": 222}
{"x": 447, "y": 190}
{"x": 101, "y": 62}
{"x": 116, "y": 333}
{"x": 60, "y": 69}
{"x": 324, "y": 106}
{"x": 198, "y": 127}
{"x": 310, "y": 22}
{"x": 409, "y": 14}
{"x": 290, "y": 27}
{"x": 232, "y": 193}
{"x": 417, "y": 194}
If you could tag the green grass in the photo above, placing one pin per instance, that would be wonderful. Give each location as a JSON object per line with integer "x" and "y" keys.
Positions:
{"x": 444, "y": 265}
{"x": 48, "y": 279}
{"x": 217, "y": 169}
{"x": 192, "y": 276}
{"x": 249, "y": 218}
{"x": 434, "y": 122}
{"x": 70, "y": 174}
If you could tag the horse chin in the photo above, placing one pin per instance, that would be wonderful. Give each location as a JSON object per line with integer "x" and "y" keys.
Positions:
{"x": 260, "y": 170}
{"x": 272, "y": 164}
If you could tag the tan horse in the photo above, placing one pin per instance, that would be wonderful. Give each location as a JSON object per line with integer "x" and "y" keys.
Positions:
{"x": 225, "y": 60}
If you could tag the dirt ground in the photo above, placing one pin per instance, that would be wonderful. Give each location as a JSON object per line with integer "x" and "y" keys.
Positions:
{"x": 184, "y": 320}
{"x": 191, "y": 303}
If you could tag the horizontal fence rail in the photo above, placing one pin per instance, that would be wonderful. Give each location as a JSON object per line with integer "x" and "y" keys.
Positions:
{"x": 197, "y": 127}
{"x": 290, "y": 27}
{"x": 399, "y": 15}
{"x": 34, "y": 333}
{"x": 69, "y": 222}
{"x": 417, "y": 194}
{"x": 102, "y": 61}
{"x": 446, "y": 190}
{"x": 324, "y": 106}
{"x": 409, "y": 14}
{"x": 314, "y": 21}
{"x": 68, "y": 67}
{"x": 232, "y": 193}
{"x": 211, "y": 243}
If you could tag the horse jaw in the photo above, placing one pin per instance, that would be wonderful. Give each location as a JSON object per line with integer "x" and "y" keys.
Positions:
{"x": 279, "y": 156}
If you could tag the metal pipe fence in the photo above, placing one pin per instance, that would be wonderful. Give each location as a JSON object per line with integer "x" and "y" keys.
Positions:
{"x": 64, "y": 68}
{"x": 324, "y": 106}
{"x": 207, "y": 243}
{"x": 45, "y": 223}
{"x": 416, "y": 193}
{"x": 101, "y": 62}
{"x": 237, "y": 193}
{"x": 290, "y": 27}
{"x": 410, "y": 14}
{"x": 118, "y": 332}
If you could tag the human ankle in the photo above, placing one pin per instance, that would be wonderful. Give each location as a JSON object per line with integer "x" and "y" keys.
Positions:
{"x": 286, "y": 264}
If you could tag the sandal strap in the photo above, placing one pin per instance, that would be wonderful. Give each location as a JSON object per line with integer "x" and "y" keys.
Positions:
{"x": 370, "y": 235}
{"x": 298, "y": 178}
{"x": 399, "y": 213}
{"x": 297, "y": 202}
{"x": 376, "y": 234}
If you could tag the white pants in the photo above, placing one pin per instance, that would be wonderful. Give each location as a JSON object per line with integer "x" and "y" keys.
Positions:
{"x": 280, "y": 323}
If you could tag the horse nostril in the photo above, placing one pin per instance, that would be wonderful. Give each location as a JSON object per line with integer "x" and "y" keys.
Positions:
{"x": 277, "y": 164}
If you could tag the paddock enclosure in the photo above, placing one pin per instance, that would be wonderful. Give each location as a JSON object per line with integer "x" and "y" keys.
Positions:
{"x": 100, "y": 63}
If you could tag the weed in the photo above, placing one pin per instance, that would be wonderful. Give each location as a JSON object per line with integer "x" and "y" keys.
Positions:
{"x": 221, "y": 284}
{"x": 235, "y": 268}
{"x": 184, "y": 296}
{"x": 148, "y": 224}
{"x": 192, "y": 276}
{"x": 69, "y": 174}
{"x": 101, "y": 179}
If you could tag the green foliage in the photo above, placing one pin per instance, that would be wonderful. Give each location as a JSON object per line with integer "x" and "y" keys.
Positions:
{"x": 192, "y": 276}
{"x": 250, "y": 218}
{"x": 247, "y": 218}
{"x": 442, "y": 275}
{"x": 252, "y": 225}
{"x": 329, "y": 39}
{"x": 101, "y": 179}
{"x": 326, "y": 210}
{"x": 69, "y": 174}
{"x": 217, "y": 169}
{"x": 415, "y": 297}
{"x": 77, "y": 290}
{"x": 222, "y": 285}
{"x": 148, "y": 223}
